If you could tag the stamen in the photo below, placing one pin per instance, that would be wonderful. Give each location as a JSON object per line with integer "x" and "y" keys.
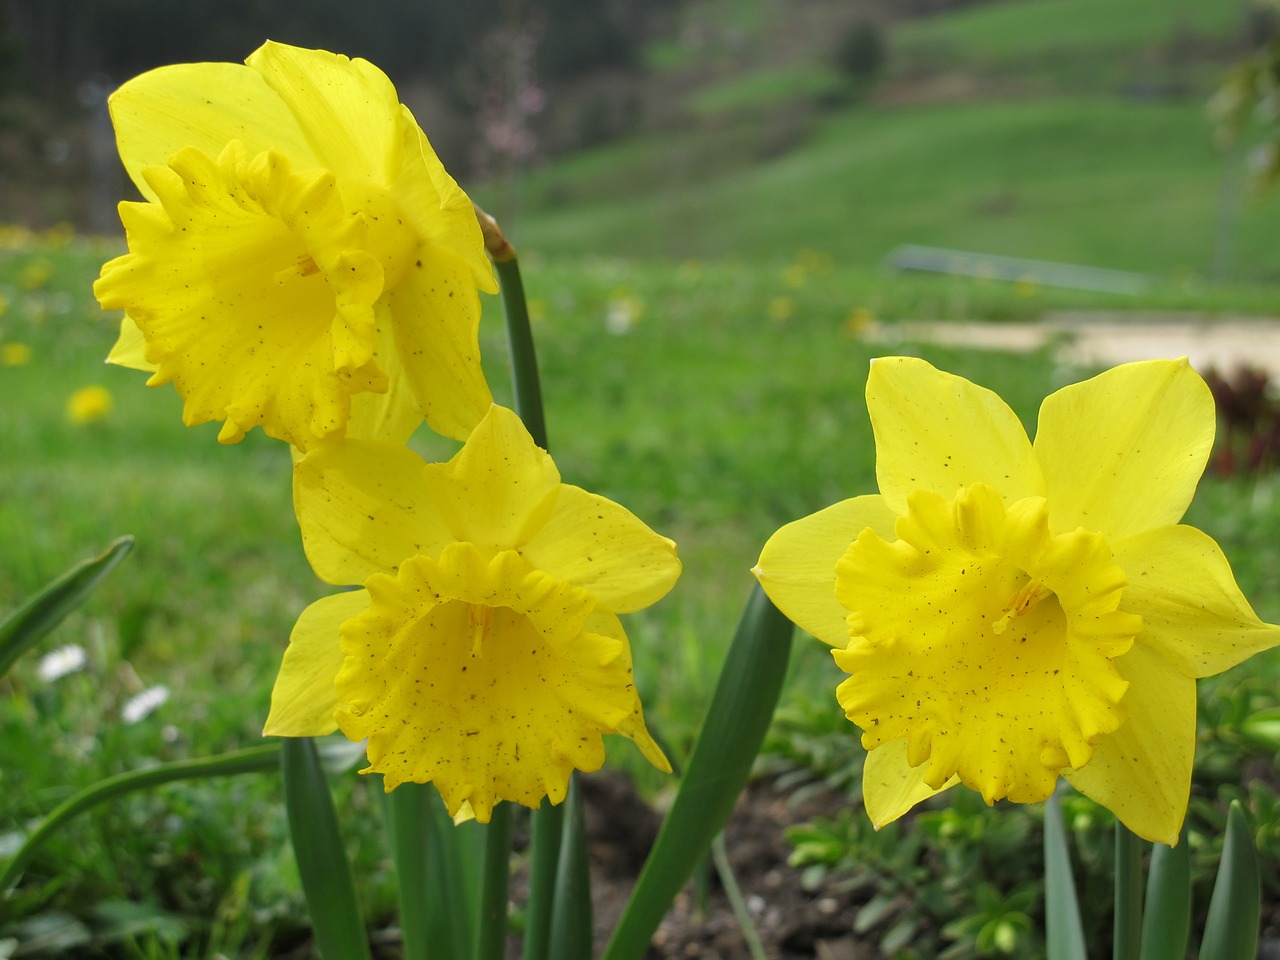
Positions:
{"x": 1020, "y": 604}
{"x": 480, "y": 618}
{"x": 305, "y": 267}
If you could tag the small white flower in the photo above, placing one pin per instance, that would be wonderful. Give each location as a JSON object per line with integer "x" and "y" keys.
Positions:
{"x": 142, "y": 704}
{"x": 58, "y": 663}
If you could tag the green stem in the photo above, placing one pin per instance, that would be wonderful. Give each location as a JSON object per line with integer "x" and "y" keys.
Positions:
{"x": 1127, "y": 937}
{"x": 492, "y": 938}
{"x": 253, "y": 760}
{"x": 547, "y": 831}
{"x": 571, "y": 912}
{"x": 409, "y": 826}
{"x": 321, "y": 854}
{"x": 524, "y": 361}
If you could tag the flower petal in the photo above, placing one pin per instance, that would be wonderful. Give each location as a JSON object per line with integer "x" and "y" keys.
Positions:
{"x": 436, "y": 320}
{"x": 346, "y": 109}
{"x": 486, "y": 677}
{"x": 1193, "y": 614}
{"x": 603, "y": 548}
{"x": 500, "y": 488}
{"x": 1123, "y": 452}
{"x": 891, "y": 786}
{"x": 940, "y": 432}
{"x": 797, "y": 567}
{"x": 303, "y": 699}
{"x": 1142, "y": 772}
{"x": 130, "y": 349}
{"x": 363, "y": 510}
{"x": 201, "y": 105}
{"x": 393, "y": 415}
{"x": 438, "y": 208}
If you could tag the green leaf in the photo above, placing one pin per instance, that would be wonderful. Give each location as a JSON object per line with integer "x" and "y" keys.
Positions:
{"x": 28, "y": 625}
{"x": 1231, "y": 926}
{"x": 547, "y": 827}
{"x": 492, "y": 935}
{"x": 408, "y": 824}
{"x": 1064, "y": 935}
{"x": 732, "y": 732}
{"x": 1166, "y": 923}
{"x": 320, "y": 854}
{"x": 571, "y": 913}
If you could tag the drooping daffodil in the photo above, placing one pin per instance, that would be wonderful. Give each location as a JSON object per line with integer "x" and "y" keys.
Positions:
{"x": 1012, "y": 612}
{"x": 484, "y": 653}
{"x": 301, "y": 260}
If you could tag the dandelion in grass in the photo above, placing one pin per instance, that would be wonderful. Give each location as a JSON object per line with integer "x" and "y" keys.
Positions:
{"x": 302, "y": 261}
{"x": 35, "y": 274}
{"x": 15, "y": 355}
{"x": 1009, "y": 612}
{"x": 90, "y": 404}
{"x": 484, "y": 654}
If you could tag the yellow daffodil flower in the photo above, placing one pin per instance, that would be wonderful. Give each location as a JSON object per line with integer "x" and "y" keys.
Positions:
{"x": 484, "y": 654}
{"x": 1011, "y": 612}
{"x": 302, "y": 260}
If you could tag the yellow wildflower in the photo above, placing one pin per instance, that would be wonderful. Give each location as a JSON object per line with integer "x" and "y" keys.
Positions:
{"x": 1010, "y": 613}
{"x": 89, "y": 404}
{"x": 15, "y": 355}
{"x": 302, "y": 259}
{"x": 484, "y": 654}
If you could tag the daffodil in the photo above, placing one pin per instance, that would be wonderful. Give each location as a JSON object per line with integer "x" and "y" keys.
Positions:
{"x": 484, "y": 653}
{"x": 302, "y": 260}
{"x": 1010, "y": 613}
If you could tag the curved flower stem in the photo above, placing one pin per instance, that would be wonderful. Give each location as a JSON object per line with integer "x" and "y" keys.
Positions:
{"x": 548, "y": 820}
{"x": 491, "y": 940}
{"x": 321, "y": 854}
{"x": 734, "y": 892}
{"x": 253, "y": 760}
{"x": 1127, "y": 937}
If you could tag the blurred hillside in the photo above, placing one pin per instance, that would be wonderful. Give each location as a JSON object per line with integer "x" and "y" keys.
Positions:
{"x": 653, "y": 125}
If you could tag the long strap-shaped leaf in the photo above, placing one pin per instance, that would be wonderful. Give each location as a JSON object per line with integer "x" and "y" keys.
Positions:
{"x": 26, "y": 626}
{"x": 732, "y": 732}
{"x": 1166, "y": 922}
{"x": 1064, "y": 934}
{"x": 321, "y": 855}
{"x": 1231, "y": 926}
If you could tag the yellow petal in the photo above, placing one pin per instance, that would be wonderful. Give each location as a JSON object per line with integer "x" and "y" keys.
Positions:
{"x": 1123, "y": 452}
{"x": 436, "y": 320}
{"x": 303, "y": 699}
{"x": 437, "y": 207}
{"x": 248, "y": 284}
{"x": 362, "y": 509}
{"x": 130, "y": 349}
{"x": 603, "y": 548}
{"x": 939, "y": 432}
{"x": 347, "y": 109}
{"x": 1142, "y": 772}
{"x": 500, "y": 488}
{"x": 201, "y": 105}
{"x": 891, "y": 786}
{"x": 797, "y": 567}
{"x": 393, "y": 415}
{"x": 486, "y": 677}
{"x": 1193, "y": 614}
